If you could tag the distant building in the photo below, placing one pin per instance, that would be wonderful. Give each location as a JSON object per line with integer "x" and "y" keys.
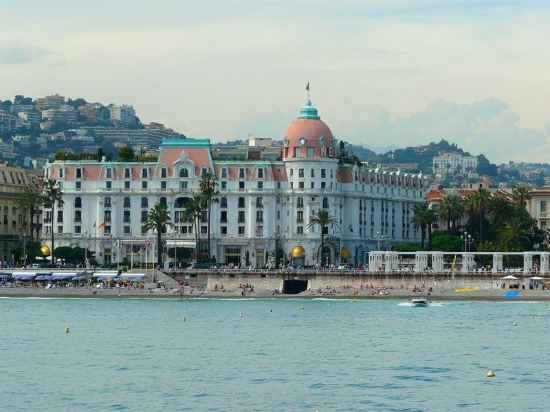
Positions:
{"x": 538, "y": 206}
{"x": 124, "y": 115}
{"x": 14, "y": 222}
{"x": 30, "y": 117}
{"x": 50, "y": 102}
{"x": 454, "y": 164}
{"x": 8, "y": 122}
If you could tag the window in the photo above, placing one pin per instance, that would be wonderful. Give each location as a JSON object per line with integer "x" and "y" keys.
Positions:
{"x": 144, "y": 202}
{"x": 77, "y": 202}
{"x": 260, "y": 185}
{"x": 79, "y": 173}
{"x": 78, "y": 216}
{"x": 223, "y": 202}
{"x": 163, "y": 185}
{"x": 144, "y": 184}
{"x": 223, "y": 216}
{"x": 204, "y": 216}
{"x": 163, "y": 201}
{"x": 184, "y": 172}
{"x": 127, "y": 173}
{"x": 224, "y": 185}
{"x": 108, "y": 185}
{"x": 78, "y": 185}
{"x": 78, "y": 229}
{"x": 107, "y": 216}
{"x": 241, "y": 230}
{"x": 60, "y": 216}
{"x": 259, "y": 202}
{"x": 127, "y": 185}
{"x": 300, "y": 216}
{"x": 183, "y": 186}
{"x": 241, "y": 202}
{"x": 204, "y": 229}
{"x": 291, "y": 172}
{"x": 241, "y": 217}
{"x": 260, "y": 173}
{"x": 224, "y": 174}
{"x": 325, "y": 202}
{"x": 126, "y": 202}
{"x": 241, "y": 185}
{"x": 300, "y": 202}
{"x": 109, "y": 173}
{"x": 126, "y": 230}
{"x": 259, "y": 216}
{"x": 59, "y": 229}
{"x": 323, "y": 173}
{"x": 312, "y": 185}
{"x": 60, "y": 174}
{"x": 312, "y": 172}
{"x": 126, "y": 216}
{"x": 543, "y": 207}
{"x": 300, "y": 172}
{"x": 241, "y": 173}
{"x": 163, "y": 173}
{"x": 144, "y": 173}
{"x": 144, "y": 214}
{"x": 107, "y": 201}
{"x": 300, "y": 185}
{"x": 204, "y": 171}
{"x": 300, "y": 230}
{"x": 224, "y": 230}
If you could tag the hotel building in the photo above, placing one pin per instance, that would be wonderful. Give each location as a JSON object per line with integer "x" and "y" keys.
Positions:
{"x": 263, "y": 209}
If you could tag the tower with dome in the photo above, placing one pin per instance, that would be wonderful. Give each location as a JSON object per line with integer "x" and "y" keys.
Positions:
{"x": 269, "y": 193}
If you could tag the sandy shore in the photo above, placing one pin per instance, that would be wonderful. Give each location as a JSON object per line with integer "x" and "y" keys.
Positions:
{"x": 478, "y": 295}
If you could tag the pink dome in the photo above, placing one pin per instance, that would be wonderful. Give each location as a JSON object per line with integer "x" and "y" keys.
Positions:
{"x": 308, "y": 138}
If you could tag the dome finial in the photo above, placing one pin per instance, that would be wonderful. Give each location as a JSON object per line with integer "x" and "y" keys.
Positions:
{"x": 307, "y": 94}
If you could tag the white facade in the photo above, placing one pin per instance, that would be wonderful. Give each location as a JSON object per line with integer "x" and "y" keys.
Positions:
{"x": 450, "y": 164}
{"x": 263, "y": 208}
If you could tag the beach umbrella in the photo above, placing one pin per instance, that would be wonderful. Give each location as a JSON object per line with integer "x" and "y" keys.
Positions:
{"x": 536, "y": 278}
{"x": 509, "y": 277}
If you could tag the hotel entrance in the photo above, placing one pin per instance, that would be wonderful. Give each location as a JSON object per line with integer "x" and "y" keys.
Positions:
{"x": 232, "y": 256}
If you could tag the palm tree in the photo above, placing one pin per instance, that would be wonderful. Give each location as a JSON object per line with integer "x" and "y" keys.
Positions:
{"x": 30, "y": 201}
{"x": 424, "y": 217}
{"x": 192, "y": 213}
{"x": 52, "y": 194}
{"x": 478, "y": 203}
{"x": 208, "y": 185}
{"x": 520, "y": 195}
{"x": 324, "y": 221}
{"x": 452, "y": 210}
{"x": 157, "y": 219}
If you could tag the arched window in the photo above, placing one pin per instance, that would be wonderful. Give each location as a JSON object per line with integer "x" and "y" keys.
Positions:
{"x": 184, "y": 172}
{"x": 163, "y": 201}
{"x": 144, "y": 202}
{"x": 180, "y": 202}
{"x": 77, "y": 202}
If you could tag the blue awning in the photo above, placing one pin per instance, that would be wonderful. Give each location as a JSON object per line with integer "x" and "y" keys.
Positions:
{"x": 43, "y": 277}
{"x": 24, "y": 276}
{"x": 132, "y": 276}
{"x": 105, "y": 275}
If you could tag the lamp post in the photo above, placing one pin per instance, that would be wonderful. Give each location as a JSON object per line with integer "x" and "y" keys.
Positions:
{"x": 467, "y": 241}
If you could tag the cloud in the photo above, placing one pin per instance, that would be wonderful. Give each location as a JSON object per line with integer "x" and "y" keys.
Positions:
{"x": 487, "y": 126}
{"x": 20, "y": 53}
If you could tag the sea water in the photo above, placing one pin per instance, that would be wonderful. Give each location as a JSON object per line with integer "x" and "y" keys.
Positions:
{"x": 280, "y": 355}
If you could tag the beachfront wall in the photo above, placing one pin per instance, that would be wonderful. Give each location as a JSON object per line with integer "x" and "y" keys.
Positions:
{"x": 274, "y": 281}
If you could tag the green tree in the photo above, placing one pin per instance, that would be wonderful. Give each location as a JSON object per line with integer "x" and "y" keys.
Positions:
{"x": 424, "y": 217}
{"x": 324, "y": 221}
{"x": 209, "y": 193}
{"x": 52, "y": 195}
{"x": 192, "y": 213}
{"x": 477, "y": 204}
{"x": 157, "y": 220}
{"x": 520, "y": 195}
{"x": 126, "y": 154}
{"x": 30, "y": 201}
{"x": 452, "y": 210}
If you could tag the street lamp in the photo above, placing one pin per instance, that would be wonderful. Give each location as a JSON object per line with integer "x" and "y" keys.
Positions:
{"x": 467, "y": 241}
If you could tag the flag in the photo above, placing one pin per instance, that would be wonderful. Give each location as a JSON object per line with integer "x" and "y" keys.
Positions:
{"x": 307, "y": 86}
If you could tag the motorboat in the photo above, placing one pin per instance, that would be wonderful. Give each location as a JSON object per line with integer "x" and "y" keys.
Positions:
{"x": 420, "y": 302}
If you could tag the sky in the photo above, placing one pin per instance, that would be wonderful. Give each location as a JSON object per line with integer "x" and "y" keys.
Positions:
{"x": 382, "y": 72}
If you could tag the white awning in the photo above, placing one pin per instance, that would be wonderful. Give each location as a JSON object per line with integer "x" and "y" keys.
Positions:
{"x": 509, "y": 277}
{"x": 181, "y": 243}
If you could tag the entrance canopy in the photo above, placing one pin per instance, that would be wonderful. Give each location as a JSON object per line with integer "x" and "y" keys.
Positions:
{"x": 181, "y": 243}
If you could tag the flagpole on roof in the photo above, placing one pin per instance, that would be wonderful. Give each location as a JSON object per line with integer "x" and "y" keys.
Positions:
{"x": 307, "y": 93}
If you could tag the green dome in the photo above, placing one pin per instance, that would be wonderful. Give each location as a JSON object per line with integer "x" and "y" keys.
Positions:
{"x": 309, "y": 112}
